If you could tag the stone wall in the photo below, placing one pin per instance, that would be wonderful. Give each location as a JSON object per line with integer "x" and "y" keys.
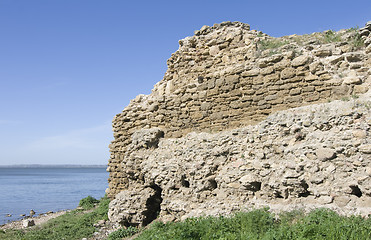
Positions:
{"x": 228, "y": 76}
{"x": 312, "y": 156}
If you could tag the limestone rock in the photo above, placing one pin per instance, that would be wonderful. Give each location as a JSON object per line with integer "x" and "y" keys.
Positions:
{"x": 135, "y": 207}
{"x": 301, "y": 60}
{"x": 237, "y": 122}
{"x": 28, "y": 223}
{"x": 214, "y": 50}
{"x": 366, "y": 148}
{"x": 325, "y": 154}
{"x": 147, "y": 138}
{"x": 251, "y": 182}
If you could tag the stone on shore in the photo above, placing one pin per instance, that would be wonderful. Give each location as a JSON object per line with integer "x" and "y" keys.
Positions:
{"x": 28, "y": 223}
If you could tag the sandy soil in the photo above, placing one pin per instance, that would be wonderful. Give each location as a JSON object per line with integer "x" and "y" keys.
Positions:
{"x": 40, "y": 219}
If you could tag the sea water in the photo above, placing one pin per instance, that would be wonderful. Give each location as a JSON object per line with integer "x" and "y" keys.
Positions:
{"x": 47, "y": 189}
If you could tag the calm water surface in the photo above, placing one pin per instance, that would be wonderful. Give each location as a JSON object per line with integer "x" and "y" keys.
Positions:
{"x": 47, "y": 189}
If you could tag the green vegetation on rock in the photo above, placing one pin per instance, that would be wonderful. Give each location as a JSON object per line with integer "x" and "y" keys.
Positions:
{"x": 331, "y": 36}
{"x": 272, "y": 43}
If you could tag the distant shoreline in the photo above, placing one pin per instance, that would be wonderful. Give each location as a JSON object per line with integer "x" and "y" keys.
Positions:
{"x": 51, "y": 166}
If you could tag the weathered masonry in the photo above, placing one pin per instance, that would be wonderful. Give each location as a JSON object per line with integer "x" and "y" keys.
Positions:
{"x": 221, "y": 79}
{"x": 229, "y": 77}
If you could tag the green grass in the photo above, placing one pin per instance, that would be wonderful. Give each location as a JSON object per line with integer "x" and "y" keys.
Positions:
{"x": 357, "y": 41}
{"x": 76, "y": 224}
{"x": 271, "y": 43}
{"x": 331, "y": 36}
{"x": 88, "y": 202}
{"x": 256, "y": 224}
{"x": 121, "y": 233}
{"x": 261, "y": 224}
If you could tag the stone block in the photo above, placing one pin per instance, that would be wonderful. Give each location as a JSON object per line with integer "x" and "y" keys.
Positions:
{"x": 324, "y": 77}
{"x": 365, "y": 148}
{"x": 28, "y": 223}
{"x": 311, "y": 78}
{"x": 251, "y": 73}
{"x": 341, "y": 201}
{"x": 232, "y": 79}
{"x": 294, "y": 99}
{"x": 308, "y": 89}
{"x": 288, "y": 73}
{"x": 272, "y": 77}
{"x": 325, "y": 154}
{"x": 258, "y": 80}
{"x": 267, "y": 70}
{"x": 301, "y": 60}
{"x": 312, "y": 97}
{"x": 322, "y": 52}
{"x": 282, "y": 65}
{"x": 352, "y": 80}
{"x": 214, "y": 50}
{"x": 295, "y": 91}
{"x": 271, "y": 97}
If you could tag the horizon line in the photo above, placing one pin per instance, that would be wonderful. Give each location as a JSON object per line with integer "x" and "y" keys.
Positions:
{"x": 52, "y": 165}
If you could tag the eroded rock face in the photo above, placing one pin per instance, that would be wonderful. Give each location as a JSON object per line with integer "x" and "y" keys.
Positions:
{"x": 311, "y": 156}
{"x": 136, "y": 207}
{"x": 192, "y": 144}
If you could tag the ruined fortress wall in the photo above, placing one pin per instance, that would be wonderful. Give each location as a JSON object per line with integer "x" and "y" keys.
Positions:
{"x": 308, "y": 157}
{"x": 228, "y": 76}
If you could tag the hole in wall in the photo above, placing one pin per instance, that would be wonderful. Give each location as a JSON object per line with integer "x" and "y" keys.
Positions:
{"x": 356, "y": 191}
{"x": 212, "y": 184}
{"x": 153, "y": 143}
{"x": 184, "y": 182}
{"x": 200, "y": 79}
{"x": 305, "y": 192}
{"x": 254, "y": 186}
{"x": 153, "y": 206}
{"x": 278, "y": 195}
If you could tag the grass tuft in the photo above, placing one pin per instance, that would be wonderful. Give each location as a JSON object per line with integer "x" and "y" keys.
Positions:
{"x": 121, "y": 233}
{"x": 271, "y": 44}
{"x": 331, "y": 36}
{"x": 88, "y": 202}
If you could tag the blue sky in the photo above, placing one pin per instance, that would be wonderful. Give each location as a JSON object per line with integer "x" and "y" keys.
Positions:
{"x": 68, "y": 66}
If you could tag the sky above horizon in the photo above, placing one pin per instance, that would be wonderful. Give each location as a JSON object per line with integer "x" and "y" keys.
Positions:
{"x": 68, "y": 66}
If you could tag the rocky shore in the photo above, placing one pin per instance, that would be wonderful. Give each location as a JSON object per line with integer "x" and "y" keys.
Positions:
{"x": 37, "y": 220}
{"x": 102, "y": 227}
